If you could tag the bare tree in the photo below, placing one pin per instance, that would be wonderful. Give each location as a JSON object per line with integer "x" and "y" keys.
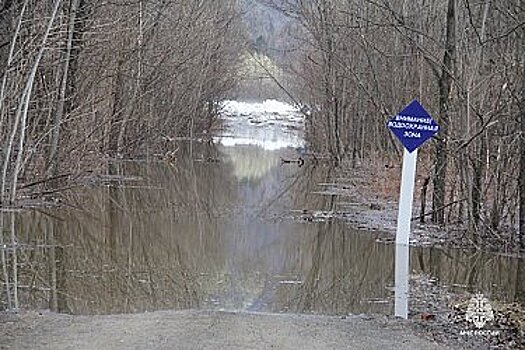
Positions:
{"x": 63, "y": 88}
{"x": 445, "y": 84}
{"x": 521, "y": 181}
{"x": 458, "y": 57}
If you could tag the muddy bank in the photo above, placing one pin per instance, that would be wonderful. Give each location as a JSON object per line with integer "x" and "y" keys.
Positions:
{"x": 206, "y": 330}
{"x": 367, "y": 198}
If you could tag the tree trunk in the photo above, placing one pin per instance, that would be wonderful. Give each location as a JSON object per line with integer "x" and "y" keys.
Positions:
{"x": 445, "y": 84}
{"x": 521, "y": 179}
{"x": 116, "y": 114}
{"x": 8, "y": 64}
{"x": 138, "y": 80}
{"x": 60, "y": 111}
{"x": 25, "y": 101}
{"x": 478, "y": 161}
{"x": 478, "y": 166}
{"x": 9, "y": 144}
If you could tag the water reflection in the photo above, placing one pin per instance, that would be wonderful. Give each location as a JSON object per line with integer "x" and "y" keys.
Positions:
{"x": 206, "y": 232}
{"x": 251, "y": 163}
{"x": 197, "y": 234}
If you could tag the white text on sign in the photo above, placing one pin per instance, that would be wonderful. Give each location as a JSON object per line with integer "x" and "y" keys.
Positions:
{"x": 413, "y": 123}
{"x": 412, "y": 134}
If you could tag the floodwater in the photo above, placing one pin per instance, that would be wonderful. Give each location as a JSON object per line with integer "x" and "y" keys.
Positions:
{"x": 208, "y": 230}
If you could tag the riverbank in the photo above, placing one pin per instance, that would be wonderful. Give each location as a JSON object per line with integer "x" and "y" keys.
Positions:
{"x": 367, "y": 198}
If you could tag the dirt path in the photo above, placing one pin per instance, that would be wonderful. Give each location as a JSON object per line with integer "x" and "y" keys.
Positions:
{"x": 205, "y": 330}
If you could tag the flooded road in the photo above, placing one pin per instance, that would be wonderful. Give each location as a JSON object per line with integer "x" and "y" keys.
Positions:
{"x": 207, "y": 230}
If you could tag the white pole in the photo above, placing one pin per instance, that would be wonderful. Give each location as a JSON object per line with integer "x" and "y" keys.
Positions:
{"x": 401, "y": 287}
{"x": 406, "y": 197}
{"x": 404, "y": 217}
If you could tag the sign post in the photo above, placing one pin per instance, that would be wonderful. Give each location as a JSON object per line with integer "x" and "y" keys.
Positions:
{"x": 413, "y": 126}
{"x": 406, "y": 197}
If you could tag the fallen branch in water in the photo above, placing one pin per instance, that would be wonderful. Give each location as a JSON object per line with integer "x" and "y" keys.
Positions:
{"x": 299, "y": 161}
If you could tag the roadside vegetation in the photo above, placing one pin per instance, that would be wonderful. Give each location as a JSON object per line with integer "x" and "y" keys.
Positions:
{"x": 84, "y": 82}
{"x": 357, "y": 63}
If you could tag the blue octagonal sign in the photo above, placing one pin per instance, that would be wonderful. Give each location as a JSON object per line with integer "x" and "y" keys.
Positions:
{"x": 413, "y": 126}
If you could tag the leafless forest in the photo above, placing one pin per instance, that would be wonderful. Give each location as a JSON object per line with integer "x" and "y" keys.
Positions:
{"x": 356, "y": 63}
{"x": 84, "y": 81}
{"x": 87, "y": 81}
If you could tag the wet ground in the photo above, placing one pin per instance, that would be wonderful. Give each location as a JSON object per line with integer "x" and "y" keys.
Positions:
{"x": 210, "y": 229}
